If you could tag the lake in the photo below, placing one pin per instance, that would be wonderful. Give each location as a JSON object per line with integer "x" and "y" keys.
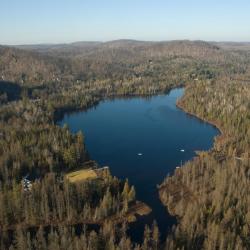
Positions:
{"x": 142, "y": 139}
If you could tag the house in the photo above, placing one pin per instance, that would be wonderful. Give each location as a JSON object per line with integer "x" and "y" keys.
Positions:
{"x": 27, "y": 185}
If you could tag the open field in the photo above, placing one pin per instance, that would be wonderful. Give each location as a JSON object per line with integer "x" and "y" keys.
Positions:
{"x": 81, "y": 175}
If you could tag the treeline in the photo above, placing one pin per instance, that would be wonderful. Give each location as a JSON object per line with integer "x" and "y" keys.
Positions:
{"x": 106, "y": 238}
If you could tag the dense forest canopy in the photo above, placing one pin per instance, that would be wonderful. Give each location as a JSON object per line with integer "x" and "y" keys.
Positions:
{"x": 209, "y": 195}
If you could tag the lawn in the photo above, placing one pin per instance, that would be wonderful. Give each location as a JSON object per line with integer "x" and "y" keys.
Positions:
{"x": 81, "y": 175}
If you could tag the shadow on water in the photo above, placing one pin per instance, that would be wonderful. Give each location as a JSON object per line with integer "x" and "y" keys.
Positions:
{"x": 12, "y": 90}
{"x": 142, "y": 140}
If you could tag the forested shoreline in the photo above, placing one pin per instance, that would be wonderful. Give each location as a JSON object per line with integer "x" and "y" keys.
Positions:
{"x": 31, "y": 144}
{"x": 209, "y": 194}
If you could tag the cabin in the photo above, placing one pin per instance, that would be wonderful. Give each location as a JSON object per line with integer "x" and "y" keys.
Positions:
{"x": 103, "y": 168}
{"x": 27, "y": 185}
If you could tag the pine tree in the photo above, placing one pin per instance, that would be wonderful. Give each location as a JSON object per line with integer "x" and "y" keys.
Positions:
{"x": 131, "y": 194}
{"x": 125, "y": 191}
{"x": 147, "y": 238}
{"x": 155, "y": 235}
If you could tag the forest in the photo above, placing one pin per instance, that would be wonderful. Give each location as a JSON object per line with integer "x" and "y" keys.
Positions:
{"x": 209, "y": 195}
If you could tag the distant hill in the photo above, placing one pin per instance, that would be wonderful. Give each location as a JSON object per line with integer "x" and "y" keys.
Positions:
{"x": 23, "y": 66}
{"x": 45, "y": 63}
{"x": 60, "y": 49}
{"x": 141, "y": 48}
{"x": 233, "y": 45}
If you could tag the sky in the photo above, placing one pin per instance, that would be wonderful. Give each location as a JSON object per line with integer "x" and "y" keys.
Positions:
{"x": 65, "y": 21}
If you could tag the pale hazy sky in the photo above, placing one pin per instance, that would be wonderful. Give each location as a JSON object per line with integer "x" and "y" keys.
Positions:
{"x": 58, "y": 21}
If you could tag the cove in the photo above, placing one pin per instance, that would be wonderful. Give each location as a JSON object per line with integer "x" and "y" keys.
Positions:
{"x": 142, "y": 139}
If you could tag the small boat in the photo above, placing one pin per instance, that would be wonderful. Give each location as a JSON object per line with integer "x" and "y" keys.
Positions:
{"x": 182, "y": 150}
{"x": 140, "y": 154}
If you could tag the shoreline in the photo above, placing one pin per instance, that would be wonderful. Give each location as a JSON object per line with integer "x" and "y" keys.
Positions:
{"x": 179, "y": 105}
{"x": 60, "y": 112}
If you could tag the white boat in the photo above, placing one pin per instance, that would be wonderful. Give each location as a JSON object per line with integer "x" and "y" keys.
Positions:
{"x": 182, "y": 150}
{"x": 140, "y": 154}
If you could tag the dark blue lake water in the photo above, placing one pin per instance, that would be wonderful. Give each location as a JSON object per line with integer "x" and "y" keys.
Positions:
{"x": 117, "y": 131}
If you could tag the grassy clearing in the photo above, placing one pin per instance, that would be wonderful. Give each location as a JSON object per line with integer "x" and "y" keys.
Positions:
{"x": 81, "y": 175}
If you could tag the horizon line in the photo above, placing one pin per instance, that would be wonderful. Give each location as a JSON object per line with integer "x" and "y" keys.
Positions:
{"x": 124, "y": 39}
